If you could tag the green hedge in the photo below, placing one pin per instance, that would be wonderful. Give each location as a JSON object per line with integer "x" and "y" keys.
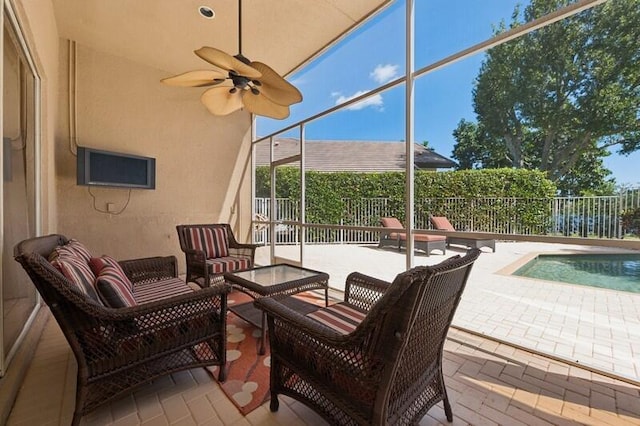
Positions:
{"x": 326, "y": 193}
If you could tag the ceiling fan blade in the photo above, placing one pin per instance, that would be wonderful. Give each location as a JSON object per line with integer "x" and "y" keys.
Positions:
{"x": 219, "y": 101}
{"x": 261, "y": 105}
{"x": 227, "y": 62}
{"x": 276, "y": 88}
{"x": 200, "y": 78}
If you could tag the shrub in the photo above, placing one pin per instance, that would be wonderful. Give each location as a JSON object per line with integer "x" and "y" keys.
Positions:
{"x": 631, "y": 222}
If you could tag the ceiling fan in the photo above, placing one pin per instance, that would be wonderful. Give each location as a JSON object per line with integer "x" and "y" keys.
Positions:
{"x": 240, "y": 83}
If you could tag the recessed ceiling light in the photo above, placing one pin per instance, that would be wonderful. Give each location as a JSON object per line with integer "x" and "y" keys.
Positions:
{"x": 207, "y": 12}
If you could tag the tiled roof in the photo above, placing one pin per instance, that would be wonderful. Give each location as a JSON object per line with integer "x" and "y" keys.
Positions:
{"x": 353, "y": 155}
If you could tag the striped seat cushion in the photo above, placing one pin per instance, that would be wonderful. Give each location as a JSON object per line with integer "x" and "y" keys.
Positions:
{"x": 341, "y": 317}
{"x": 114, "y": 287}
{"x": 213, "y": 241}
{"x": 149, "y": 292}
{"x": 228, "y": 264}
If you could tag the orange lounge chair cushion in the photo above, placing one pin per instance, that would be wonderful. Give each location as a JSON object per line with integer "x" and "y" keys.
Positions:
{"x": 441, "y": 223}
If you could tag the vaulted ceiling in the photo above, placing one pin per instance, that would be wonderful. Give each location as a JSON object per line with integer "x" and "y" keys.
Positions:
{"x": 164, "y": 33}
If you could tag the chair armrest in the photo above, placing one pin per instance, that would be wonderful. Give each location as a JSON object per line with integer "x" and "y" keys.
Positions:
{"x": 150, "y": 268}
{"x": 238, "y": 245}
{"x": 240, "y": 249}
{"x": 364, "y": 291}
{"x": 243, "y": 250}
{"x": 193, "y": 254}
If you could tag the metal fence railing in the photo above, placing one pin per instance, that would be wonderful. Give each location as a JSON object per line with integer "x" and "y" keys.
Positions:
{"x": 598, "y": 216}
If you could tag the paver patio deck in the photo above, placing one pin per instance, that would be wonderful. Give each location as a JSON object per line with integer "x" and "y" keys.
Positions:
{"x": 589, "y": 326}
{"x": 488, "y": 383}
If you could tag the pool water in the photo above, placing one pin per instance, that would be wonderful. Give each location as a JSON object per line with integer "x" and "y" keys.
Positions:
{"x": 612, "y": 271}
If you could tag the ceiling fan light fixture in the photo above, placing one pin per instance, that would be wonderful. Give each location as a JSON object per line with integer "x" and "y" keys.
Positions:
{"x": 206, "y": 12}
{"x": 240, "y": 83}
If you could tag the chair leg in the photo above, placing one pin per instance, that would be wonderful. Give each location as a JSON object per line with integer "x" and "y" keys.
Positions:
{"x": 274, "y": 379}
{"x": 447, "y": 410}
{"x": 274, "y": 404}
{"x": 77, "y": 417}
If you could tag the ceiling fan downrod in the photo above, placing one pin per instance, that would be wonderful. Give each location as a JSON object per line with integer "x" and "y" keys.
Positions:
{"x": 241, "y": 82}
{"x": 239, "y": 56}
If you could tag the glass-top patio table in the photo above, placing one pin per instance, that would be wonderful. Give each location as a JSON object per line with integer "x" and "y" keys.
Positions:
{"x": 275, "y": 280}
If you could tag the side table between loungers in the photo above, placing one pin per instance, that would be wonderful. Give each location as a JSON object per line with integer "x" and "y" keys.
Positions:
{"x": 441, "y": 223}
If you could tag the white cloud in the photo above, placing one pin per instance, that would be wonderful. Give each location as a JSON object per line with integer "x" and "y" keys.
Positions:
{"x": 374, "y": 101}
{"x": 384, "y": 73}
{"x": 381, "y": 74}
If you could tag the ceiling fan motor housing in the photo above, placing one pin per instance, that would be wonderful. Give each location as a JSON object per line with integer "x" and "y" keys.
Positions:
{"x": 243, "y": 83}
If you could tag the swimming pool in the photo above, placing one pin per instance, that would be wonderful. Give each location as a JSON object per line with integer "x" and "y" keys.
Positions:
{"x": 612, "y": 271}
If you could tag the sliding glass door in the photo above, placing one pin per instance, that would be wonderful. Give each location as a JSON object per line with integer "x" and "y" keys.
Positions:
{"x": 18, "y": 209}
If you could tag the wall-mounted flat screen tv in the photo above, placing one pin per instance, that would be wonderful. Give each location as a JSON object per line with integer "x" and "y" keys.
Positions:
{"x": 115, "y": 169}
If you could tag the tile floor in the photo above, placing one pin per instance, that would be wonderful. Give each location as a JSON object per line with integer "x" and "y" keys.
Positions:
{"x": 489, "y": 383}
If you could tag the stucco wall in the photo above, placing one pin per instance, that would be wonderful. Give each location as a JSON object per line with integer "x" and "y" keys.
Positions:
{"x": 202, "y": 161}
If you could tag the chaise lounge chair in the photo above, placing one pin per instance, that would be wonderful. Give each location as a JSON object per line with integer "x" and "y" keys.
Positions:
{"x": 441, "y": 223}
{"x": 426, "y": 243}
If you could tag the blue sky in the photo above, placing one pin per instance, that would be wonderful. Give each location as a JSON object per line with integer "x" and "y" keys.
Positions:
{"x": 374, "y": 55}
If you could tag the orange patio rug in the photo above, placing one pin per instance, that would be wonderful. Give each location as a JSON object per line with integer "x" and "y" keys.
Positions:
{"x": 247, "y": 383}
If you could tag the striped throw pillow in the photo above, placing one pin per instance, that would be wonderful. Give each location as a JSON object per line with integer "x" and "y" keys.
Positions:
{"x": 340, "y": 317}
{"x": 213, "y": 241}
{"x": 97, "y": 263}
{"x": 79, "y": 273}
{"x": 73, "y": 248}
{"x": 114, "y": 287}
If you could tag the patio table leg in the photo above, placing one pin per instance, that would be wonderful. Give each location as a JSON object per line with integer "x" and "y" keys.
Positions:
{"x": 263, "y": 329}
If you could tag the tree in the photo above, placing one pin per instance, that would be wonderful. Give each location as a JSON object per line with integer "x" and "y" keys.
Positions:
{"x": 476, "y": 149}
{"x": 558, "y": 97}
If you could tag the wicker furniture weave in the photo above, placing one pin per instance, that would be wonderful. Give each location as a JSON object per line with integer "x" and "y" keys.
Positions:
{"x": 119, "y": 349}
{"x": 424, "y": 242}
{"x": 204, "y": 270}
{"x": 388, "y": 370}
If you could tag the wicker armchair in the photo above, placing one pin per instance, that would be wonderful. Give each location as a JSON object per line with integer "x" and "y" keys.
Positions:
{"x": 211, "y": 250}
{"x": 117, "y": 349}
{"x": 388, "y": 369}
